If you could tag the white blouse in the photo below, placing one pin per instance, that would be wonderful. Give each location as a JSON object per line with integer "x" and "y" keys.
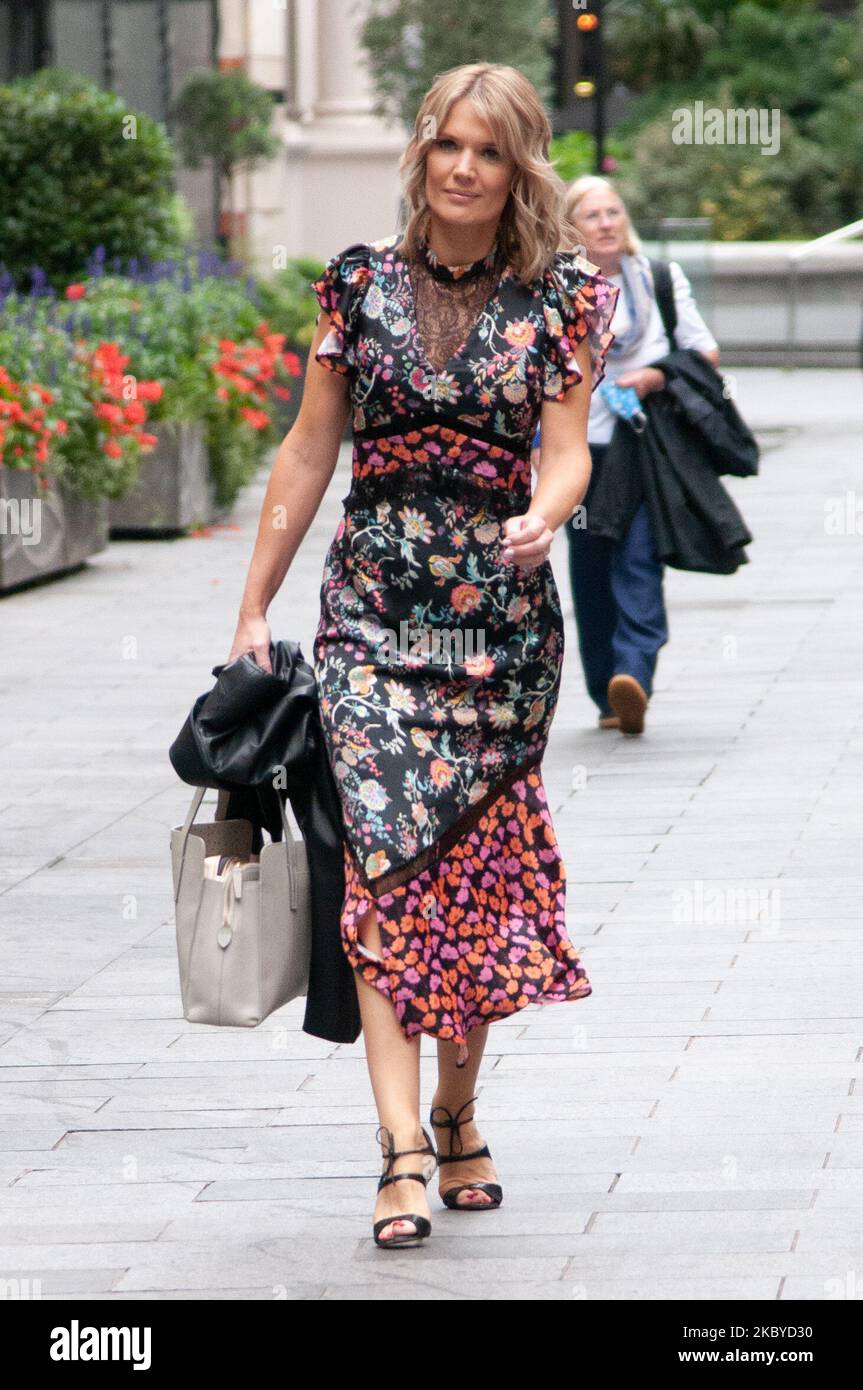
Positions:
{"x": 691, "y": 332}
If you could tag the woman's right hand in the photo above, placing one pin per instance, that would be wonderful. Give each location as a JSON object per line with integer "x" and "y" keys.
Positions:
{"x": 643, "y": 380}
{"x": 252, "y": 635}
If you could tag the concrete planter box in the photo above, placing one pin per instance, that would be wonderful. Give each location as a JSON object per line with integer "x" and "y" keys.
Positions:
{"x": 764, "y": 315}
{"x": 42, "y": 537}
{"x": 174, "y": 490}
{"x": 287, "y": 411}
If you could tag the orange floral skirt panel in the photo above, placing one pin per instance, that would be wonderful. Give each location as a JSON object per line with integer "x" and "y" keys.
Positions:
{"x": 479, "y": 933}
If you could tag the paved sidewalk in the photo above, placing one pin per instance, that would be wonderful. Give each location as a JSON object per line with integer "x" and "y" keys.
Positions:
{"x": 693, "y": 1129}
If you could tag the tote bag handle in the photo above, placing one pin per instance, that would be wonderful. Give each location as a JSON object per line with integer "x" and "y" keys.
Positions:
{"x": 287, "y": 833}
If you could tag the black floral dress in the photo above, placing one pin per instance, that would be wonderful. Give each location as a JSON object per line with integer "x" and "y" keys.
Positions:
{"x": 437, "y": 661}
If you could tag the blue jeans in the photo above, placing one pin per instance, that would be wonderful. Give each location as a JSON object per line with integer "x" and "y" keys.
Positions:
{"x": 619, "y": 604}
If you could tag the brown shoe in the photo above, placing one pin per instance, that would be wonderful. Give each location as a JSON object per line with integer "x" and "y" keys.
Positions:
{"x": 609, "y": 721}
{"x": 628, "y": 700}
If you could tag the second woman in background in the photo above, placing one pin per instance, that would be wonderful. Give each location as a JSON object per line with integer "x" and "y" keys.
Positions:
{"x": 617, "y": 587}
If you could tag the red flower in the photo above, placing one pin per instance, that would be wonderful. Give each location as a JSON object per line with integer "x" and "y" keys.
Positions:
{"x": 258, "y": 419}
{"x": 149, "y": 390}
{"x": 109, "y": 356}
{"x": 112, "y": 448}
{"x": 76, "y": 291}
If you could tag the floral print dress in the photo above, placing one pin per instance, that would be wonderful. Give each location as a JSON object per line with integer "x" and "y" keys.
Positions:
{"x": 438, "y": 662}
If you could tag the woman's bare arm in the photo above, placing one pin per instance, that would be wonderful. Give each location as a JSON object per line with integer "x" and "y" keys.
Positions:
{"x": 301, "y": 472}
{"x": 563, "y": 467}
{"x": 564, "y": 459}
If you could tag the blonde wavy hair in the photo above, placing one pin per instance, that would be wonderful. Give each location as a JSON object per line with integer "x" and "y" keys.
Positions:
{"x": 588, "y": 183}
{"x": 533, "y": 225}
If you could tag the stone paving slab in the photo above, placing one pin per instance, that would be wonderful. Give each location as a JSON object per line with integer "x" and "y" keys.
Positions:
{"x": 693, "y": 1129}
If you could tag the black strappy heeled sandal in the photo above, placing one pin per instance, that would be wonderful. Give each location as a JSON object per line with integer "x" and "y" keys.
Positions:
{"x": 450, "y": 1197}
{"x": 422, "y": 1223}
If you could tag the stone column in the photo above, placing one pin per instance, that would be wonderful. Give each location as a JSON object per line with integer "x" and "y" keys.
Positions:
{"x": 338, "y": 181}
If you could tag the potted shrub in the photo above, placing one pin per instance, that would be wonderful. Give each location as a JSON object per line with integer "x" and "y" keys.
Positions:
{"x": 193, "y": 358}
{"x": 193, "y": 326}
{"x": 67, "y": 442}
{"x": 78, "y": 168}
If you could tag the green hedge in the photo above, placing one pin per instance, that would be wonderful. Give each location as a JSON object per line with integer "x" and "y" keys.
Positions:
{"x": 78, "y": 169}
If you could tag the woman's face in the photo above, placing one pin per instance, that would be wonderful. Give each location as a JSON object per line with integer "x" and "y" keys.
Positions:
{"x": 467, "y": 176}
{"x": 601, "y": 215}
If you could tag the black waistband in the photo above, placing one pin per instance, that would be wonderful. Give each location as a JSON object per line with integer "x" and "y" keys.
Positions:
{"x": 444, "y": 482}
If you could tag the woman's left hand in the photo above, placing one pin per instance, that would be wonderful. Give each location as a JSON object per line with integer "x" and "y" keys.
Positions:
{"x": 526, "y": 540}
{"x": 643, "y": 380}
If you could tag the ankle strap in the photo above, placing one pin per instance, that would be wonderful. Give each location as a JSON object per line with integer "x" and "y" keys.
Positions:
{"x": 453, "y": 1123}
{"x": 391, "y": 1153}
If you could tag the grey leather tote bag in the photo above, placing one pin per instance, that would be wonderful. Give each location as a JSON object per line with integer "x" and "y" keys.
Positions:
{"x": 243, "y": 935}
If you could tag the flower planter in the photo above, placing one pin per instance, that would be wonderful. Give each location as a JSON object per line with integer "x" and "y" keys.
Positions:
{"x": 173, "y": 491}
{"x": 42, "y": 537}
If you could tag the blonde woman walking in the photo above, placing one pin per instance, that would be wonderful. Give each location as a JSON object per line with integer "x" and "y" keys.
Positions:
{"x": 446, "y": 342}
{"x": 617, "y": 587}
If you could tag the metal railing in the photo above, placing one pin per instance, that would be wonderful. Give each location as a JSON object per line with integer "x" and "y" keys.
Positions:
{"x": 795, "y": 257}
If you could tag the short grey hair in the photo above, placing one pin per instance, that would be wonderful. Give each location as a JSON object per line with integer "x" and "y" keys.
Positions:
{"x": 588, "y": 183}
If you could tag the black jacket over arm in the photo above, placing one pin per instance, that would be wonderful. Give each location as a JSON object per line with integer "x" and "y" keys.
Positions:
{"x": 238, "y": 738}
{"x": 693, "y": 434}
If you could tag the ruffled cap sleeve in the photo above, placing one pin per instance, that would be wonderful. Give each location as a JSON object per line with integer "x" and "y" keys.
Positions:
{"x": 579, "y": 303}
{"x": 340, "y": 291}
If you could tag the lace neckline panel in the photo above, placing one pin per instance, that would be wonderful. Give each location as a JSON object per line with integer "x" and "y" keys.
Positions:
{"x": 448, "y": 307}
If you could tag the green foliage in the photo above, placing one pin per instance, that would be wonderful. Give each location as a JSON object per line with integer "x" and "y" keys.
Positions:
{"x": 574, "y": 154}
{"x": 287, "y": 302}
{"x": 33, "y": 349}
{"x": 226, "y": 117}
{"x": 77, "y": 169}
{"x": 410, "y": 42}
{"x": 182, "y": 325}
{"x": 838, "y": 130}
{"x": 165, "y": 328}
{"x": 236, "y": 454}
{"x": 791, "y": 56}
{"x": 653, "y": 41}
{"x": 172, "y": 330}
{"x": 748, "y": 195}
